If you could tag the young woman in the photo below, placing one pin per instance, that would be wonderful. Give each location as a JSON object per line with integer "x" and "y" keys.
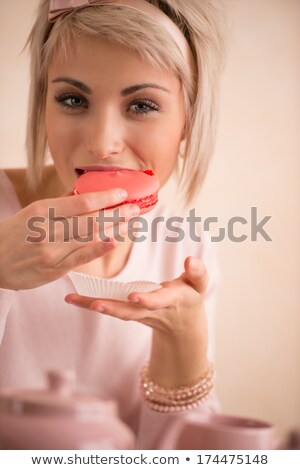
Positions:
{"x": 132, "y": 84}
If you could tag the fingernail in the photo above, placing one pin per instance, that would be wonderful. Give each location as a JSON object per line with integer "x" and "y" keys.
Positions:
{"x": 122, "y": 193}
{"x": 135, "y": 300}
{"x": 134, "y": 210}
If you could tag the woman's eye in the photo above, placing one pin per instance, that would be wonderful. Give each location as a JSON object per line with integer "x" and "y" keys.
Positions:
{"x": 71, "y": 101}
{"x": 75, "y": 102}
{"x": 143, "y": 107}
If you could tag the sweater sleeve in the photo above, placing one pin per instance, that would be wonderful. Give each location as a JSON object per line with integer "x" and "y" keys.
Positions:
{"x": 5, "y": 304}
{"x": 154, "y": 427}
{"x": 9, "y": 205}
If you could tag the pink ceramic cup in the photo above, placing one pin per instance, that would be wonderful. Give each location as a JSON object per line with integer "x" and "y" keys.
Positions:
{"x": 220, "y": 432}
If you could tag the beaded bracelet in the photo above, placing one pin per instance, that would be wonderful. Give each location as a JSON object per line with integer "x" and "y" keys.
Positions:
{"x": 167, "y": 400}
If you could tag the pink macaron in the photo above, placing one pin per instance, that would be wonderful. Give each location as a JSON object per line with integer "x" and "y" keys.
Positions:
{"x": 141, "y": 186}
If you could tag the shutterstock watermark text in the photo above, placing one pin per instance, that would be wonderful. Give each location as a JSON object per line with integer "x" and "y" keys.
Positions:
{"x": 140, "y": 228}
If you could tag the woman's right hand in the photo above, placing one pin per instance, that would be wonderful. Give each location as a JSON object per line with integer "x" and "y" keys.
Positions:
{"x": 37, "y": 248}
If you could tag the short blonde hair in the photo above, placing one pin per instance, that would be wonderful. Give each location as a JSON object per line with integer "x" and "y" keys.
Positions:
{"x": 202, "y": 22}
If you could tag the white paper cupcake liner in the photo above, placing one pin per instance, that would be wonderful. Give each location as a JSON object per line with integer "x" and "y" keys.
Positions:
{"x": 93, "y": 286}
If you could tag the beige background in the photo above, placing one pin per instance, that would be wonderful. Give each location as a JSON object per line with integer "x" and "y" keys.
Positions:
{"x": 256, "y": 164}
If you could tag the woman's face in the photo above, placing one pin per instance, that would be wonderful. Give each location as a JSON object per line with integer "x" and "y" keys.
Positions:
{"x": 106, "y": 106}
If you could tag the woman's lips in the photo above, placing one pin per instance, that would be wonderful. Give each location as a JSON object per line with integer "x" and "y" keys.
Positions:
{"x": 84, "y": 169}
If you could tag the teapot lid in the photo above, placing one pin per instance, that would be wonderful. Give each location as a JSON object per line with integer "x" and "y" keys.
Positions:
{"x": 57, "y": 399}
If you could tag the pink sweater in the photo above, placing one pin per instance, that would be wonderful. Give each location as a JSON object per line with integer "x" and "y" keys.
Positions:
{"x": 39, "y": 331}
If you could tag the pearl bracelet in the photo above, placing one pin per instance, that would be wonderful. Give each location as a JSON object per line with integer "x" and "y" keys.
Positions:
{"x": 168, "y": 400}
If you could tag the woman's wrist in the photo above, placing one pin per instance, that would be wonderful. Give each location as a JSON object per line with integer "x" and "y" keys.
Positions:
{"x": 179, "y": 359}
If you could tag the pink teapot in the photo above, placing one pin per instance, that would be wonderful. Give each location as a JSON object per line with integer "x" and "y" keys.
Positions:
{"x": 58, "y": 418}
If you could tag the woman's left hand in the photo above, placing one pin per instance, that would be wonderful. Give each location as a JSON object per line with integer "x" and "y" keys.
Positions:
{"x": 173, "y": 309}
{"x": 177, "y": 317}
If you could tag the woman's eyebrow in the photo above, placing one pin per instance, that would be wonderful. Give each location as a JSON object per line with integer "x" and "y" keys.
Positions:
{"x": 72, "y": 81}
{"x": 134, "y": 88}
{"x": 125, "y": 92}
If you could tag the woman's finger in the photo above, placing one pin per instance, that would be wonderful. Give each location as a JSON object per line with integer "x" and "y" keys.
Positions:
{"x": 86, "y": 228}
{"x": 80, "y": 300}
{"x": 69, "y": 206}
{"x": 195, "y": 274}
{"x": 116, "y": 308}
{"x": 74, "y": 253}
{"x": 84, "y": 255}
{"x": 161, "y": 298}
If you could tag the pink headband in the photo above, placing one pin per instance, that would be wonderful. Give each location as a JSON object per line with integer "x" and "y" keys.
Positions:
{"x": 58, "y": 7}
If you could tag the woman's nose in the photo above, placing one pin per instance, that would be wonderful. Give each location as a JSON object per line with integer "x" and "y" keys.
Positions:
{"x": 105, "y": 136}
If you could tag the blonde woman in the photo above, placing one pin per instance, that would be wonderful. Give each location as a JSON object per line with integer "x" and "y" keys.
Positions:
{"x": 132, "y": 84}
